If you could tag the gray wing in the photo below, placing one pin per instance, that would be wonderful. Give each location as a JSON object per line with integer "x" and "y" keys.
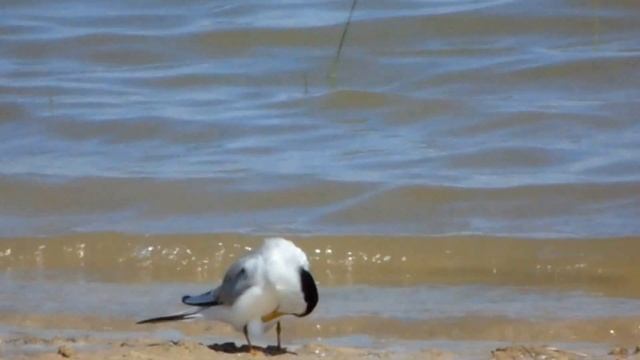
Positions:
{"x": 236, "y": 281}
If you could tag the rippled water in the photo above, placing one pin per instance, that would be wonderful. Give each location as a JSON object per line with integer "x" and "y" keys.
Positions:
{"x": 495, "y": 117}
{"x": 514, "y": 121}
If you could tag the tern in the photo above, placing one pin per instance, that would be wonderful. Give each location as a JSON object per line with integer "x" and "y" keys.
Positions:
{"x": 267, "y": 283}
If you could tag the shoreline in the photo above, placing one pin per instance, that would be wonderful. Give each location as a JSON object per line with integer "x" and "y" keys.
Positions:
{"x": 49, "y": 337}
{"x": 427, "y": 297}
{"x": 91, "y": 348}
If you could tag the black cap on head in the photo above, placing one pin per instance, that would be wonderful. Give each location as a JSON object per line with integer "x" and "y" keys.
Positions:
{"x": 310, "y": 291}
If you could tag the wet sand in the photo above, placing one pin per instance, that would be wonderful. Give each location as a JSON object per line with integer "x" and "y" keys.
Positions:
{"x": 92, "y": 348}
{"x": 24, "y": 336}
{"x": 149, "y": 349}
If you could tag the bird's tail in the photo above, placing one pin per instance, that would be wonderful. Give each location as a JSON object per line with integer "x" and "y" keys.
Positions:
{"x": 173, "y": 317}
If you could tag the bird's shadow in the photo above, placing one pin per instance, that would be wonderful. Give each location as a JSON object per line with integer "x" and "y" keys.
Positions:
{"x": 232, "y": 348}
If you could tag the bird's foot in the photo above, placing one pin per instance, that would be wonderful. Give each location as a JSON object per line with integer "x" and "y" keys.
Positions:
{"x": 253, "y": 351}
{"x": 277, "y": 350}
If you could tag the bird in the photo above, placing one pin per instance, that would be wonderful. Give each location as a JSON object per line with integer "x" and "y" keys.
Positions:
{"x": 256, "y": 291}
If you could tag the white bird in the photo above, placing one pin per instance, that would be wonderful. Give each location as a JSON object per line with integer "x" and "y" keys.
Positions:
{"x": 257, "y": 289}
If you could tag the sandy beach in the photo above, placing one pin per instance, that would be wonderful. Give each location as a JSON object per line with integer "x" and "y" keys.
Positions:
{"x": 91, "y": 348}
{"x": 149, "y": 349}
{"x": 89, "y": 337}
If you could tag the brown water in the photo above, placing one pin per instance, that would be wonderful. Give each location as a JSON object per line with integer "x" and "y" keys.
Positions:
{"x": 480, "y": 158}
{"x": 594, "y": 265}
{"x": 464, "y": 293}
